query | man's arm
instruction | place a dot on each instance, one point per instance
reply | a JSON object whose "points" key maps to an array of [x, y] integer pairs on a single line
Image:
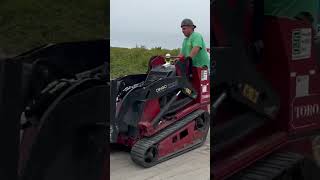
{"points": [[196, 45], [194, 51]]}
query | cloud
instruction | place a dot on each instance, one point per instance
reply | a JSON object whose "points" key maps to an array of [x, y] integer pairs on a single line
{"points": [[158, 16]]}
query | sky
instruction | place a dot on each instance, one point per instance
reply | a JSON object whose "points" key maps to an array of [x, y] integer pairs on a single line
{"points": [[159, 20]]}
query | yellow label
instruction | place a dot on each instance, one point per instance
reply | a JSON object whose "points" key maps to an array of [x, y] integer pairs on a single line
{"points": [[250, 93], [188, 91]]}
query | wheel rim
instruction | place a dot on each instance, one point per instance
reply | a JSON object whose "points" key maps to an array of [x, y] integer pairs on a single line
{"points": [[151, 154], [201, 124]]}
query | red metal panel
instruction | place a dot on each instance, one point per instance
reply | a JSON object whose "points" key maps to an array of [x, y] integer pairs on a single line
{"points": [[168, 146]]}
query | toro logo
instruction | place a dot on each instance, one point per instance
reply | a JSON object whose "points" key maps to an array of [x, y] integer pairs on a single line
{"points": [[161, 88], [307, 110]]}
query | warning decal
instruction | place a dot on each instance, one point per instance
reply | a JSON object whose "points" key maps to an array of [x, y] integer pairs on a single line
{"points": [[301, 43], [204, 75]]}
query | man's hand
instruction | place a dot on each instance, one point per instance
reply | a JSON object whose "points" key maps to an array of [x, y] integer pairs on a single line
{"points": [[194, 51], [177, 59]]}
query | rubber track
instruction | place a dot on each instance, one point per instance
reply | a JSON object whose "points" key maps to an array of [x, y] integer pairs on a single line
{"points": [[140, 148], [270, 167]]}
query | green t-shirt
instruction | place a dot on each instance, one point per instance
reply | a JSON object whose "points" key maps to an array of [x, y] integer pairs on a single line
{"points": [[202, 58], [291, 8]]}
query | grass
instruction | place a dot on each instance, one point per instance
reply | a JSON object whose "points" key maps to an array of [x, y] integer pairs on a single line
{"points": [[125, 61], [30, 23]]}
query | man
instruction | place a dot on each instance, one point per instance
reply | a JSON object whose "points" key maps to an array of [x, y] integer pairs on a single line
{"points": [[193, 46]]}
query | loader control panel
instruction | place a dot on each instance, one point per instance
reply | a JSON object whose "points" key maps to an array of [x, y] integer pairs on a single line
{"points": [[163, 71]]}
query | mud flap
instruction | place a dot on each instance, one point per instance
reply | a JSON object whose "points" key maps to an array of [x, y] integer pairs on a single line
{"points": [[71, 143]]}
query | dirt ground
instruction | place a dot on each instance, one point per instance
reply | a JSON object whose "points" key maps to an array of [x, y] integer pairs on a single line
{"points": [[189, 166]]}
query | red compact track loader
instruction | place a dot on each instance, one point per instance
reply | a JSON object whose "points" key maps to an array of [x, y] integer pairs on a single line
{"points": [[162, 113], [265, 94]]}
